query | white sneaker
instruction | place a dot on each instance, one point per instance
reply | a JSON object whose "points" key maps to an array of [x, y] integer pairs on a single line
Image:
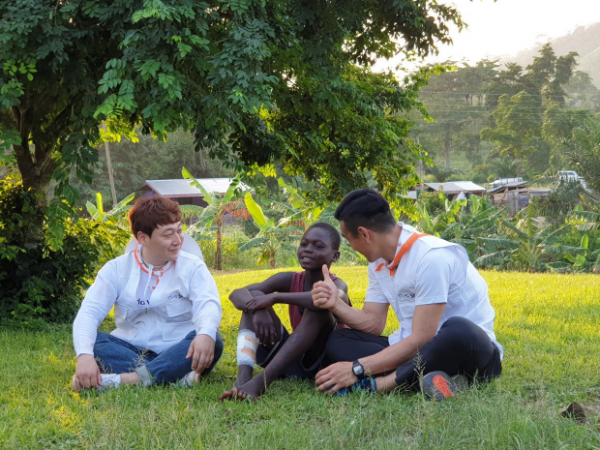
{"points": [[190, 379], [109, 380]]}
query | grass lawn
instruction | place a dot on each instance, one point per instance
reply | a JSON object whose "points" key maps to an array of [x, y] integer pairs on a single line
{"points": [[549, 326]]}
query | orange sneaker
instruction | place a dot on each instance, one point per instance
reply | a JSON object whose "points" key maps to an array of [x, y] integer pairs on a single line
{"points": [[438, 386]]}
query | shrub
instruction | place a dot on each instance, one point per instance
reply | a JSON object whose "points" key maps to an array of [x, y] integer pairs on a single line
{"points": [[433, 201], [38, 284]]}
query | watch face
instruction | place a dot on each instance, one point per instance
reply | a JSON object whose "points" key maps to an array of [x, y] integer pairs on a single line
{"points": [[358, 370]]}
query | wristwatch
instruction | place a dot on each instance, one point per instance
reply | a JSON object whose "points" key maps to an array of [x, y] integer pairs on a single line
{"points": [[358, 370]]}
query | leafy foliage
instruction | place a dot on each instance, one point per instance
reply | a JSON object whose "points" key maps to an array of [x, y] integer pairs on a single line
{"points": [[272, 237], [258, 82], [583, 152], [39, 283], [212, 217]]}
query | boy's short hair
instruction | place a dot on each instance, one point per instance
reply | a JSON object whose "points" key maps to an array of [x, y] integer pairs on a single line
{"points": [[365, 208], [334, 234], [149, 213]]}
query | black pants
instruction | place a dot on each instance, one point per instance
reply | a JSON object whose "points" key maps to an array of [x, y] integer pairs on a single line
{"points": [[460, 347]]}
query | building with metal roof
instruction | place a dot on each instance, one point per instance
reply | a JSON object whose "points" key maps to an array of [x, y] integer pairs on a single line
{"points": [[454, 189], [184, 192]]}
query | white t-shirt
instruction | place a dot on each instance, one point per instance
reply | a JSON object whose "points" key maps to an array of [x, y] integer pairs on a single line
{"points": [[432, 271]]}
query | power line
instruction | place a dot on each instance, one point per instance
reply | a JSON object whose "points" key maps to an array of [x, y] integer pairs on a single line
{"points": [[504, 93]]}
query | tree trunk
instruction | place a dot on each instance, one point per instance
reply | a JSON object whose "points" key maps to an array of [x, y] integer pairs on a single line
{"points": [[36, 174], [37, 166], [109, 169], [272, 260]]}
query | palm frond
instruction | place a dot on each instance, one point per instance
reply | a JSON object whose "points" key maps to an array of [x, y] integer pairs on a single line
{"points": [[255, 242]]}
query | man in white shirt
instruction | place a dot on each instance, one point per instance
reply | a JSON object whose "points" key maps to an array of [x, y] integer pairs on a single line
{"points": [[166, 305], [446, 320]]}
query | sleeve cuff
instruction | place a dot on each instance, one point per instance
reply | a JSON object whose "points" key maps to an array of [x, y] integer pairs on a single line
{"points": [[208, 329], [84, 351], [431, 300]]}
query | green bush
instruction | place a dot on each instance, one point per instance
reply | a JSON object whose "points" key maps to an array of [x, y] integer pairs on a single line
{"points": [[232, 257], [38, 284], [433, 201]]}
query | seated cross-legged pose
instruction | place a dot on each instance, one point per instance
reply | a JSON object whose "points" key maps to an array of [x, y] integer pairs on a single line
{"points": [[263, 340], [166, 305], [441, 302]]}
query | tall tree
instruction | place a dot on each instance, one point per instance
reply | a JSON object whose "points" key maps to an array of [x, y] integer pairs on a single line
{"points": [[582, 93], [583, 152], [456, 102], [527, 122], [258, 80]]}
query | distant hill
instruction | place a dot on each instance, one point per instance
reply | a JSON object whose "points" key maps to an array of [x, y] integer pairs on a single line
{"points": [[584, 40]]}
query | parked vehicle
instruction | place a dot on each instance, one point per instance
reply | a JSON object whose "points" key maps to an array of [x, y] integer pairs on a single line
{"points": [[570, 176]]}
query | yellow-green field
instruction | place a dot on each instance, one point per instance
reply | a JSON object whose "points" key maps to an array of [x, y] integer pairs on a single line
{"points": [[549, 326]]}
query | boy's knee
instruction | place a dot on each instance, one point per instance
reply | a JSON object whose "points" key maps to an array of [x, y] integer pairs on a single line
{"points": [[320, 316]]}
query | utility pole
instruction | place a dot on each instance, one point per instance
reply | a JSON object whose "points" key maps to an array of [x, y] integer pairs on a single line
{"points": [[110, 171], [447, 144], [420, 170]]}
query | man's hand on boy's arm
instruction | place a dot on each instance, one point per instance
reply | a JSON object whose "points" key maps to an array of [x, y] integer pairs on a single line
{"points": [[202, 350], [87, 374]]}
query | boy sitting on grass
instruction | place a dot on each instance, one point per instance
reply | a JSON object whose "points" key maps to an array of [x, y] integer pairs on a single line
{"points": [[263, 340]]}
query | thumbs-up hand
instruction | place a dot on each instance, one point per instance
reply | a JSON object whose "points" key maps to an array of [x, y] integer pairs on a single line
{"points": [[325, 293]]}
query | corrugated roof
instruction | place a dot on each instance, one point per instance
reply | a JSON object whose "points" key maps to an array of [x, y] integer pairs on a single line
{"points": [[509, 185], [183, 188], [453, 187]]}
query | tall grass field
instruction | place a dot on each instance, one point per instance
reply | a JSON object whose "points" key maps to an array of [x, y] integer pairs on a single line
{"points": [[549, 326]]}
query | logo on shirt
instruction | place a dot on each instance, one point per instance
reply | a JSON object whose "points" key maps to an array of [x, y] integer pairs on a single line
{"points": [[406, 297], [172, 298]]}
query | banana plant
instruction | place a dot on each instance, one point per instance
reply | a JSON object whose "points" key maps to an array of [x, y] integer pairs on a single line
{"points": [[579, 259], [211, 219], [114, 222], [272, 236], [116, 214], [309, 213], [537, 242]]}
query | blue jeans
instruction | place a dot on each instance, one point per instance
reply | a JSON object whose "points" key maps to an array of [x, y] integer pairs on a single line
{"points": [[115, 355]]}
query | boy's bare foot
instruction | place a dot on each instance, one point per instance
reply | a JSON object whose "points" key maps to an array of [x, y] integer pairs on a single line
{"points": [[244, 375], [231, 394], [253, 389]]}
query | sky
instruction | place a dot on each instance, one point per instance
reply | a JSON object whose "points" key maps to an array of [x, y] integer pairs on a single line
{"points": [[509, 26]]}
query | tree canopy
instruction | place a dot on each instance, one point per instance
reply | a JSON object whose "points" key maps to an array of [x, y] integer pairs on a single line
{"points": [[258, 81], [507, 121]]}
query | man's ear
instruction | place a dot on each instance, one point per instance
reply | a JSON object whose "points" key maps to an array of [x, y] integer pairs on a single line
{"points": [[364, 233], [142, 238]]}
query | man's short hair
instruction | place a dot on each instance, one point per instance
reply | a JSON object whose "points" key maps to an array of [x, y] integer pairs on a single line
{"points": [[365, 208], [149, 213], [334, 234]]}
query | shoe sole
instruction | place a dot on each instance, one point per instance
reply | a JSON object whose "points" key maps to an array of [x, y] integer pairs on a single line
{"points": [[442, 386]]}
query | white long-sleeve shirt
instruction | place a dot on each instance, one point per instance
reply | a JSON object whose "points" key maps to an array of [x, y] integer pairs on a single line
{"points": [[185, 299]]}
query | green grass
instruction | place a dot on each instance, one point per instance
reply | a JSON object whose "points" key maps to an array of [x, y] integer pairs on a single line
{"points": [[548, 324]]}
